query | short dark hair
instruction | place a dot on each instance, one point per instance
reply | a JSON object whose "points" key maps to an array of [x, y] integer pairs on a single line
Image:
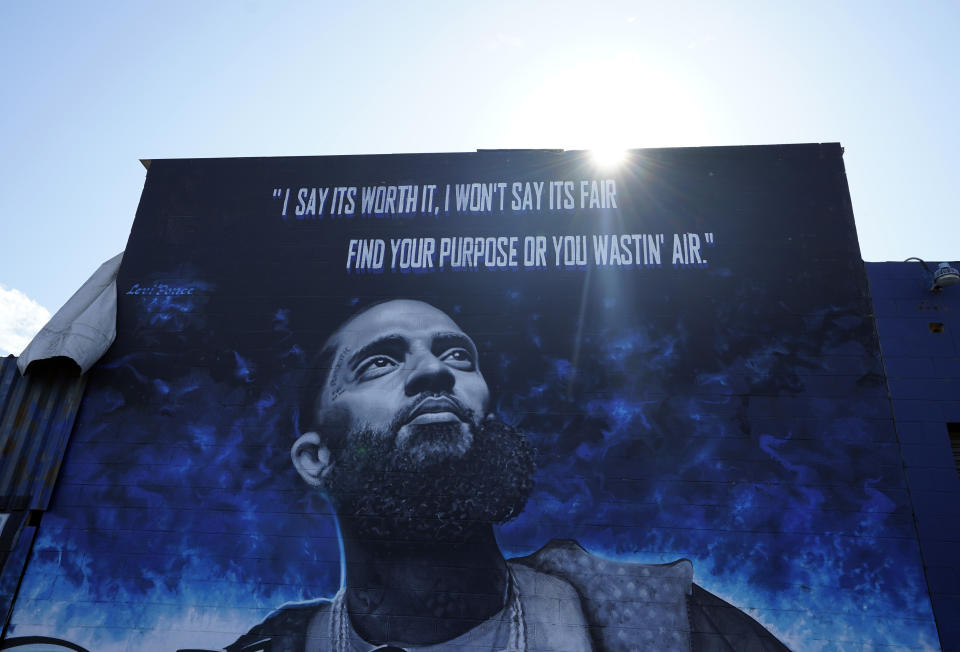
{"points": [[318, 372]]}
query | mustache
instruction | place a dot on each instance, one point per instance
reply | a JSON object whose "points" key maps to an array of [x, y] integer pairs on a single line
{"points": [[433, 402], [335, 427]]}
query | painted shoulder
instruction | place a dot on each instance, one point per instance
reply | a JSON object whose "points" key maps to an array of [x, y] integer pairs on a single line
{"points": [[652, 606], [715, 624], [284, 630]]}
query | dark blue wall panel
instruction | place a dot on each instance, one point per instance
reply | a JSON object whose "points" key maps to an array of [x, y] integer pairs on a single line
{"points": [[923, 369]]}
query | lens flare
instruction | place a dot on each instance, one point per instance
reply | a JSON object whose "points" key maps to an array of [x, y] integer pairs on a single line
{"points": [[608, 157]]}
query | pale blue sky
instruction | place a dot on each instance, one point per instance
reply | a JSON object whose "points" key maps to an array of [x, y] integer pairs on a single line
{"points": [[89, 88]]}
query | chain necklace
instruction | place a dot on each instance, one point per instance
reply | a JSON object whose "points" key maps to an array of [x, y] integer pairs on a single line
{"points": [[517, 638]]}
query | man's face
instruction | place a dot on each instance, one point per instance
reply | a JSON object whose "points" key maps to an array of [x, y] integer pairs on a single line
{"points": [[405, 369], [402, 444]]}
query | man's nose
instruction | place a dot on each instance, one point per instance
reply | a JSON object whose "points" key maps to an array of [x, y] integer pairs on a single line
{"points": [[428, 374]]}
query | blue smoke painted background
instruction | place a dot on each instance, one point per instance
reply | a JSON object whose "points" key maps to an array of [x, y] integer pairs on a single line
{"points": [[795, 513], [734, 414]]}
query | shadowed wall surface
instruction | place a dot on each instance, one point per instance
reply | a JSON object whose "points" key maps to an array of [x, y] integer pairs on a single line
{"points": [[920, 339]]}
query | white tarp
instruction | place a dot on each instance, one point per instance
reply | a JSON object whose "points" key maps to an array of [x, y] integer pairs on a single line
{"points": [[85, 327]]}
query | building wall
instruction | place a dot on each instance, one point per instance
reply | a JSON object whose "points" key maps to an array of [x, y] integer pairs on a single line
{"points": [[920, 338], [719, 409]]}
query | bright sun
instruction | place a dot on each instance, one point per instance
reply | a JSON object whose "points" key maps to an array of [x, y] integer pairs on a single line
{"points": [[608, 157]]}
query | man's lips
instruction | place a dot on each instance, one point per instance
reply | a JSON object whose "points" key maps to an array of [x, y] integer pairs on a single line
{"points": [[435, 409], [433, 417]]}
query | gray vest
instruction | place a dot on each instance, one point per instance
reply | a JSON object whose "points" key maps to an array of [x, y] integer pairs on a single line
{"points": [[628, 607]]}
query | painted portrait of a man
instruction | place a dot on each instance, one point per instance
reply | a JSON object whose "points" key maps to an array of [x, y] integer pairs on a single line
{"points": [[400, 438]]}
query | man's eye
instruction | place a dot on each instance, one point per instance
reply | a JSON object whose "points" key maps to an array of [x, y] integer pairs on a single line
{"points": [[459, 358], [375, 367]]}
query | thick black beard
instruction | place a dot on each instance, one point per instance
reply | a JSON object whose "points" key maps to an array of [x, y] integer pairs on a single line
{"points": [[380, 493]]}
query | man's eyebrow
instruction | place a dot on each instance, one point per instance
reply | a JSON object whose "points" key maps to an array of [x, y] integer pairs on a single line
{"points": [[446, 338], [389, 342]]}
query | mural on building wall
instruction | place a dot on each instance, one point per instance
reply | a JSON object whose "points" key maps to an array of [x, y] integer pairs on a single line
{"points": [[502, 400]]}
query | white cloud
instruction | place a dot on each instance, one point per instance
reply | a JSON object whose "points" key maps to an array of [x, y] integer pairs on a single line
{"points": [[20, 319]]}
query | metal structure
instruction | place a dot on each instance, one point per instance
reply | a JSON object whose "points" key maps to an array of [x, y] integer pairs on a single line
{"points": [[37, 412]]}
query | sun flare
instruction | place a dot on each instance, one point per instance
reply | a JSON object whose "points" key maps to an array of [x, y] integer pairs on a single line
{"points": [[608, 157]]}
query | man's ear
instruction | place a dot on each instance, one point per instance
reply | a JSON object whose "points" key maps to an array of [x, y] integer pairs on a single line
{"points": [[311, 458]]}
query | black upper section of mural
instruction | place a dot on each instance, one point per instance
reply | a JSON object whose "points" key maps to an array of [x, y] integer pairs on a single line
{"points": [[785, 246]]}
